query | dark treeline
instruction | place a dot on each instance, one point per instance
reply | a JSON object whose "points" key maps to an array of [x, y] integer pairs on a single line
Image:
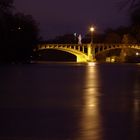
{"points": [[127, 34], [18, 34]]}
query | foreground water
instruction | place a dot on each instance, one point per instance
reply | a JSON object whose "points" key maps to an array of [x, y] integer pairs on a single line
{"points": [[71, 101]]}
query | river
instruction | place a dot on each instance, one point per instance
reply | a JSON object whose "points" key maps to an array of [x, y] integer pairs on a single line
{"points": [[70, 101]]}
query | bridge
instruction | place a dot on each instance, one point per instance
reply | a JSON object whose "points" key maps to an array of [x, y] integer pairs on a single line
{"points": [[86, 52]]}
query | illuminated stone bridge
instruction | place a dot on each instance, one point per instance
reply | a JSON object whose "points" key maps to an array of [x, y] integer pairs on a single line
{"points": [[86, 52]]}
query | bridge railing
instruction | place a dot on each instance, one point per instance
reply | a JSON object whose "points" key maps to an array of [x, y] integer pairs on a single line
{"points": [[104, 47], [78, 47]]}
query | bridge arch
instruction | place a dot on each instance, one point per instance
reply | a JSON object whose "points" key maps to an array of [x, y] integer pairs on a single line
{"points": [[87, 52], [55, 55], [77, 50], [101, 48]]}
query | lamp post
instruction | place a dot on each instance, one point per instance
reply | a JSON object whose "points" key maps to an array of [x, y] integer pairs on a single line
{"points": [[91, 49], [92, 29]]}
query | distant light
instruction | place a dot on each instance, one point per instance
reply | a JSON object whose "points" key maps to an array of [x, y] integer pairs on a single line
{"points": [[112, 59], [137, 53], [19, 28], [75, 34]]}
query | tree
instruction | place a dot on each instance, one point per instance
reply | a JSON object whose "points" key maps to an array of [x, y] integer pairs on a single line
{"points": [[23, 36], [5, 16], [135, 19], [128, 39], [18, 33], [130, 4], [112, 37], [6, 5], [134, 4]]}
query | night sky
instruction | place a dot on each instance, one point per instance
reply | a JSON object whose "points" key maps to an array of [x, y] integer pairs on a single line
{"points": [[58, 17]]}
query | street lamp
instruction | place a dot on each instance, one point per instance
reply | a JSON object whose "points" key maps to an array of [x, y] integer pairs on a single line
{"points": [[92, 29]]}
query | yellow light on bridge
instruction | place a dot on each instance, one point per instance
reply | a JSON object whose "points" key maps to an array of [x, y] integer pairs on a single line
{"points": [[91, 63]]}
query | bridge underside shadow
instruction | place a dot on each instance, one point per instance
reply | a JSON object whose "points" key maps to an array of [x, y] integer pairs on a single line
{"points": [[55, 55], [80, 56], [101, 56], [120, 55]]}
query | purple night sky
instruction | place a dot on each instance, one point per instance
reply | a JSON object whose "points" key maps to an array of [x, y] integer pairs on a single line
{"points": [[57, 17]]}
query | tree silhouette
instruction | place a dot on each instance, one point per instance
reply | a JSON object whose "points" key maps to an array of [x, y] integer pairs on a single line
{"points": [[130, 4], [23, 36], [18, 34], [6, 5]]}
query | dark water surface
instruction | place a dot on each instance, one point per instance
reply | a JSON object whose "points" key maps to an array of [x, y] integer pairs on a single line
{"points": [[70, 102]]}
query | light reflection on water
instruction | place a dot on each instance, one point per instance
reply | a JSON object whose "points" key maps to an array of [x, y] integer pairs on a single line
{"points": [[136, 109], [90, 117]]}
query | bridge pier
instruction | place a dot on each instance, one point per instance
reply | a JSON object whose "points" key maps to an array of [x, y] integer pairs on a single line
{"points": [[80, 59], [91, 52]]}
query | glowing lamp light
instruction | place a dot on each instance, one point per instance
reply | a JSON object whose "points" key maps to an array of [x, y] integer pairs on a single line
{"points": [[19, 28], [137, 53], [92, 29]]}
